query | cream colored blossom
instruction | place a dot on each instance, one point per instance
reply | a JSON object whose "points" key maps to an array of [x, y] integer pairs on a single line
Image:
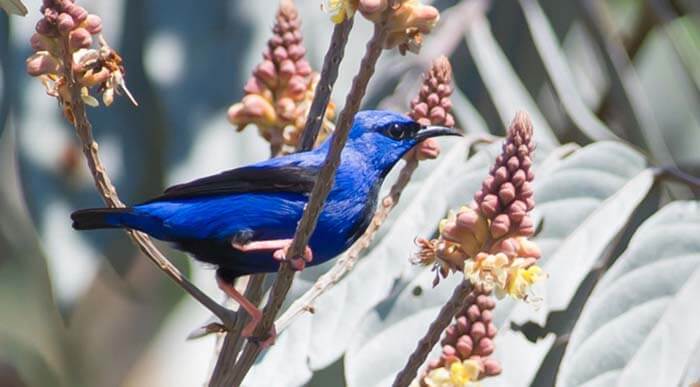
{"points": [[339, 10]]}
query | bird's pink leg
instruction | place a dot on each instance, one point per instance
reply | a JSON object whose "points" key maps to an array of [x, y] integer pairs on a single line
{"points": [[252, 310], [279, 247]]}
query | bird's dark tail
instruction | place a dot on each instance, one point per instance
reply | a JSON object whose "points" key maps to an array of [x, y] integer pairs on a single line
{"points": [[93, 218]]}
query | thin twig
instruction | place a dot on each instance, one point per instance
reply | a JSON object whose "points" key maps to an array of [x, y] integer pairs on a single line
{"points": [[323, 185], [346, 263], [322, 94], [109, 194], [426, 344]]}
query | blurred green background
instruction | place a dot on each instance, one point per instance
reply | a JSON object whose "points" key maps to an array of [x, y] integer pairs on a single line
{"points": [[84, 309]]}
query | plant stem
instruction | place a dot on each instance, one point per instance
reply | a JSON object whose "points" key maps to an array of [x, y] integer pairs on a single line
{"points": [[322, 94], [346, 263], [109, 194], [426, 344], [306, 226]]}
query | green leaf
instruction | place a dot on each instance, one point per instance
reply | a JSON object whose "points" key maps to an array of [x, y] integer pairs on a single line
{"points": [[31, 330], [13, 7], [639, 327], [507, 91], [560, 74]]}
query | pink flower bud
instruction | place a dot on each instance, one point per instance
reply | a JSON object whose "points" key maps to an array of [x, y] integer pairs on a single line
{"points": [[489, 206], [420, 109], [287, 68], [372, 6], [465, 346], [40, 42], [433, 99], [484, 302], [485, 347], [40, 64], [43, 27], [506, 193], [267, 73], [437, 114], [303, 68], [491, 330], [93, 24], [462, 325], [65, 23], [80, 38], [449, 350], [486, 316], [500, 226], [478, 331], [446, 104], [427, 149], [491, 367], [473, 312], [279, 54], [519, 177], [501, 175], [517, 210]]}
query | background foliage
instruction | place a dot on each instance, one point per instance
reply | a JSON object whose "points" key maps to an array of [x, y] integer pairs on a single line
{"points": [[614, 91]]}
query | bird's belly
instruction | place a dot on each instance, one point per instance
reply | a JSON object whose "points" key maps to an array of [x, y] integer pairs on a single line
{"points": [[206, 227]]}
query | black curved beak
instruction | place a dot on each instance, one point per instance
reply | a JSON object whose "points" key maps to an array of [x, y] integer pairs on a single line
{"points": [[435, 131]]}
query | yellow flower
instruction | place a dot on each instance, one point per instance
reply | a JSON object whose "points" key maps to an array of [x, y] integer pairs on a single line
{"points": [[464, 373], [460, 374], [487, 270], [340, 9], [520, 281], [439, 377]]}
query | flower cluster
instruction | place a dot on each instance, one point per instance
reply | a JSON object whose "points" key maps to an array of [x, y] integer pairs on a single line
{"points": [[466, 346], [406, 25], [432, 106], [278, 96], [488, 240], [64, 39]]}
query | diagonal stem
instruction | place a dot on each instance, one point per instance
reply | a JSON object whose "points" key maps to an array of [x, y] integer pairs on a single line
{"points": [[426, 344], [329, 74], [323, 185], [109, 193]]}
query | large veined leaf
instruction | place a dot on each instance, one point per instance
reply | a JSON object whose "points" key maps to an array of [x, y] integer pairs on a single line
{"points": [[503, 84], [379, 345], [640, 325], [561, 74], [608, 184]]}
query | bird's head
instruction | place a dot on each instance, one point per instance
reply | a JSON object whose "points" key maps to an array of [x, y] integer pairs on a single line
{"points": [[383, 137]]}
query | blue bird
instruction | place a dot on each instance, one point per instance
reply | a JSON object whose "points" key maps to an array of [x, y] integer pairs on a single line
{"points": [[242, 220]]}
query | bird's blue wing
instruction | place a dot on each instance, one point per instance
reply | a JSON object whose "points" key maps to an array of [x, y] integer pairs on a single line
{"points": [[294, 174]]}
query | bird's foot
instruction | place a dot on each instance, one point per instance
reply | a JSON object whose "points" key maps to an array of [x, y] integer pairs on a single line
{"points": [[297, 263], [267, 342], [250, 308], [279, 247]]}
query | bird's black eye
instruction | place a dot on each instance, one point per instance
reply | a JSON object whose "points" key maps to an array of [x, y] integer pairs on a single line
{"points": [[396, 132]]}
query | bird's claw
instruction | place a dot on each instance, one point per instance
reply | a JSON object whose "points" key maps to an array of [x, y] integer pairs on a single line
{"points": [[268, 341], [297, 263]]}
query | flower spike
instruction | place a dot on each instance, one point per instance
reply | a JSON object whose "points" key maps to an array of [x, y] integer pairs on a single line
{"points": [[278, 95]]}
